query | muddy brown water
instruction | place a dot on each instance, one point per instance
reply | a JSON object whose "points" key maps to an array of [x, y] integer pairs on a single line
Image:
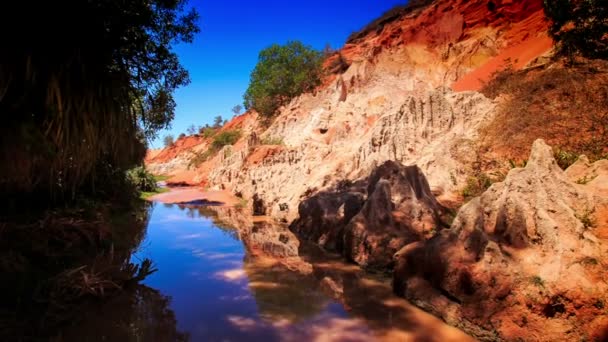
{"points": [[207, 288]]}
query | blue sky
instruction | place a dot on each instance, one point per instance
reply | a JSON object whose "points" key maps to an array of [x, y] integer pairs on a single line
{"points": [[232, 35]]}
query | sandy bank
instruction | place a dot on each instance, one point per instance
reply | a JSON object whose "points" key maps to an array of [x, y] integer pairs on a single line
{"points": [[189, 194]]}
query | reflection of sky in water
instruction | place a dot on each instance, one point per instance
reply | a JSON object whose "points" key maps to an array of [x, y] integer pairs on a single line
{"points": [[201, 268]]}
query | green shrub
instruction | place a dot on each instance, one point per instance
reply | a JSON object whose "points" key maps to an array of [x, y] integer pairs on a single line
{"points": [[168, 141], [565, 158], [143, 180], [282, 73], [538, 281], [586, 218], [219, 141], [269, 140], [207, 132], [476, 185], [201, 157], [226, 138]]}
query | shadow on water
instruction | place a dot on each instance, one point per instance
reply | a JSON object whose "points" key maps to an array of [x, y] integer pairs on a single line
{"points": [[55, 269], [138, 314]]}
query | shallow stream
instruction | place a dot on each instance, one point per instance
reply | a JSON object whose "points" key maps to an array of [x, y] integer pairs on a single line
{"points": [[208, 287]]}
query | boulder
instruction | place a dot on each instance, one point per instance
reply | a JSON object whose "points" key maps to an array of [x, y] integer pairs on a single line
{"points": [[368, 228], [400, 209], [322, 217]]}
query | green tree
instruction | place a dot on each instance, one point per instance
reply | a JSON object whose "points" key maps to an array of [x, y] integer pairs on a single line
{"points": [[579, 27], [168, 140], [91, 86], [236, 110], [282, 72], [191, 130], [217, 122]]}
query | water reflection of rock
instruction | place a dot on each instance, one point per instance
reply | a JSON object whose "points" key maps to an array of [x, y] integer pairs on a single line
{"points": [[281, 294], [140, 314], [294, 282]]}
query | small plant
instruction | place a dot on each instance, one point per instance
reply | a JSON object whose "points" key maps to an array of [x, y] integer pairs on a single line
{"points": [[584, 180], [565, 158], [586, 219], [588, 261], [142, 179], [269, 140], [242, 203], [476, 185], [515, 164], [453, 178], [538, 281]]}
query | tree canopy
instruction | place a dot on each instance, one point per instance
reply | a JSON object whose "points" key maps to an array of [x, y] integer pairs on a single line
{"points": [[93, 83], [282, 72], [579, 27]]}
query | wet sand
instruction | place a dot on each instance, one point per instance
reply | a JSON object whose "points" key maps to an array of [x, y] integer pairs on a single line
{"points": [[189, 194]]}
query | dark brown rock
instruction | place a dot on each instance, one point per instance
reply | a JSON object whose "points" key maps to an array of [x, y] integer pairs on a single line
{"points": [[399, 209]]}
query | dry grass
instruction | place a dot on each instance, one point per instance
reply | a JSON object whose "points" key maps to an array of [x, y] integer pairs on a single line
{"points": [[566, 106], [387, 17]]}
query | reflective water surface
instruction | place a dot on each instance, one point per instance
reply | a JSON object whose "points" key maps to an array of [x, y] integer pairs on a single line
{"points": [[209, 287]]}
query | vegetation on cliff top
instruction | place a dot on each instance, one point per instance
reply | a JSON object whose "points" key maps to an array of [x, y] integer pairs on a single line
{"points": [[579, 27], [282, 73], [389, 16], [225, 138]]}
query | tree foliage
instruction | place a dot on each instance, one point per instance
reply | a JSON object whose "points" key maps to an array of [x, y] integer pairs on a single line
{"points": [[282, 72], [142, 179], [218, 122], [93, 83], [191, 130], [579, 27], [236, 110], [168, 140]]}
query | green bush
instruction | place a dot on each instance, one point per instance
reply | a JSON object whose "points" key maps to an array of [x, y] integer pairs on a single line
{"points": [[143, 180], [282, 73], [225, 138], [168, 141], [565, 158], [201, 157], [269, 140], [220, 140], [207, 132]]}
